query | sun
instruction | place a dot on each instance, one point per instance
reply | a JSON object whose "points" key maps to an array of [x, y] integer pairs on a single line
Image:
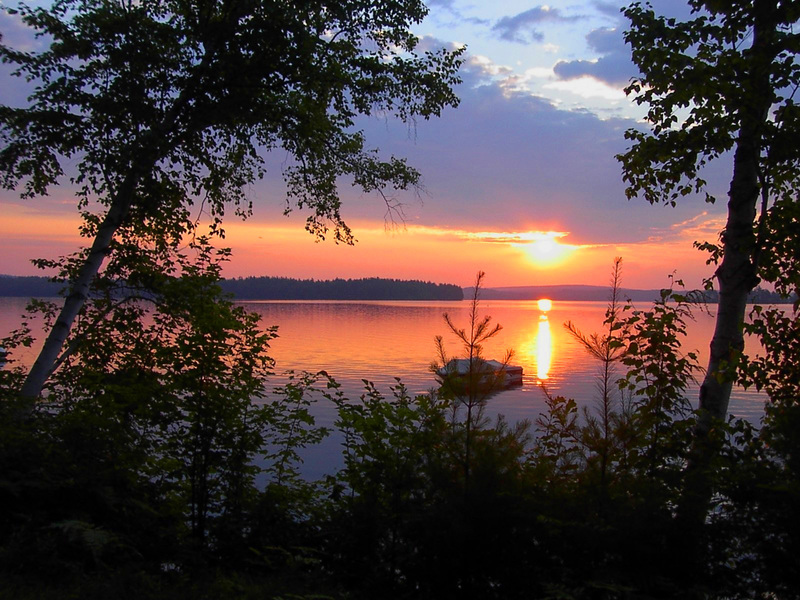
{"points": [[544, 250], [543, 247]]}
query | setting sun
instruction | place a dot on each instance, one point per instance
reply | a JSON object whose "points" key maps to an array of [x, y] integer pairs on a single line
{"points": [[545, 304], [543, 247]]}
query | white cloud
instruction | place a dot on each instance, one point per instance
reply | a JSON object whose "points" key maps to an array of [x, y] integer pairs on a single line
{"points": [[539, 73], [484, 66], [587, 87]]}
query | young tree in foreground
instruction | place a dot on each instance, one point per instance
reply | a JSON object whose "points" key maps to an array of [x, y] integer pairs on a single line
{"points": [[608, 349], [156, 435], [150, 107], [471, 381]]}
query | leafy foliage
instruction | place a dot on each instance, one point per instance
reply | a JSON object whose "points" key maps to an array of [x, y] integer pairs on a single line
{"points": [[722, 81], [150, 108], [176, 102], [702, 83], [155, 427], [766, 482]]}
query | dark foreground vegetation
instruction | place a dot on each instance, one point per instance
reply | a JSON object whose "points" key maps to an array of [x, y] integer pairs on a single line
{"points": [[158, 466]]}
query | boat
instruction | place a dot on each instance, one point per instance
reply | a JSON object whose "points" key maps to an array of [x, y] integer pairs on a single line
{"points": [[491, 374]]}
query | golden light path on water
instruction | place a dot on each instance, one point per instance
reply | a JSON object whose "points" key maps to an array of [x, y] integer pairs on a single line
{"points": [[543, 342], [381, 341], [544, 349]]}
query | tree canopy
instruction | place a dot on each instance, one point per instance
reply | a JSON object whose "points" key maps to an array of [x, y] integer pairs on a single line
{"points": [[150, 108], [723, 81], [177, 101]]}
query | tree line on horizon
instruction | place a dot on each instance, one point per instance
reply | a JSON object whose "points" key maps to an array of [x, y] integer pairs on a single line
{"points": [[275, 288], [369, 288], [378, 288], [591, 293]]}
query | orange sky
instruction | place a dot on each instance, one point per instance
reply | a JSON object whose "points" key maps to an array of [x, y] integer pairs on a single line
{"points": [[454, 256], [410, 252]]}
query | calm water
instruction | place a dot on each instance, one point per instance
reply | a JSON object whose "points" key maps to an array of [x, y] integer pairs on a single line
{"points": [[379, 341]]}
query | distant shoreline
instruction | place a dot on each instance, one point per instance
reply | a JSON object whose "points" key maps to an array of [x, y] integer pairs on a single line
{"points": [[586, 293], [597, 293], [277, 288], [376, 288]]}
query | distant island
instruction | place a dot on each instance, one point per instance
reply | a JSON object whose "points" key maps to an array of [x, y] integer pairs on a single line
{"points": [[277, 288], [29, 286], [371, 288], [376, 288]]}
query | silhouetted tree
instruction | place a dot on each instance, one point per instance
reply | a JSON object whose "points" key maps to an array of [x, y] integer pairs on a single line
{"points": [[469, 388], [721, 81], [155, 106]]}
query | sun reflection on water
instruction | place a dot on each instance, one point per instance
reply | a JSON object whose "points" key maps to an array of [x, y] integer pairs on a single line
{"points": [[537, 345], [544, 348]]}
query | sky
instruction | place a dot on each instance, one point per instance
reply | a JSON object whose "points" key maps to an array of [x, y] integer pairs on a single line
{"points": [[519, 181]]}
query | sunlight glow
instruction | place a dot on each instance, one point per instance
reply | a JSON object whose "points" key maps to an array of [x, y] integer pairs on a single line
{"points": [[543, 247], [545, 304]]}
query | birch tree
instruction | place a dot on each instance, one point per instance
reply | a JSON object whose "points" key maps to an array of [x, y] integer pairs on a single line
{"points": [[149, 108], [721, 82]]}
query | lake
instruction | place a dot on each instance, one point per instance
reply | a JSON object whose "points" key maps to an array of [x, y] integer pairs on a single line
{"points": [[379, 341]]}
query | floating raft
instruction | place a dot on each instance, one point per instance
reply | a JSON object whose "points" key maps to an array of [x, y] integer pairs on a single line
{"points": [[491, 373]]}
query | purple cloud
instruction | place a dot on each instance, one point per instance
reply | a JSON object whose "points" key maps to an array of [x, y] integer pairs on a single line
{"points": [[509, 161], [15, 34], [610, 9], [614, 65], [521, 28]]}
